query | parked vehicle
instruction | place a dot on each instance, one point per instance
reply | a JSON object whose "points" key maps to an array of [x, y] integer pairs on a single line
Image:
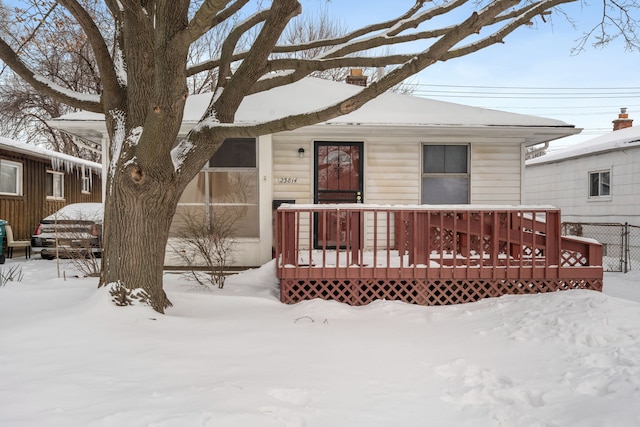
{"points": [[73, 231]]}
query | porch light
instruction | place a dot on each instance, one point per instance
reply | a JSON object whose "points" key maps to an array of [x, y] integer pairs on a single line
{"points": [[301, 152]]}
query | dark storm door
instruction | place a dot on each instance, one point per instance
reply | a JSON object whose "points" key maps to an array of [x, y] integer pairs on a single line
{"points": [[338, 179]]}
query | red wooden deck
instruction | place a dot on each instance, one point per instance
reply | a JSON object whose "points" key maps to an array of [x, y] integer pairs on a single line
{"points": [[427, 255]]}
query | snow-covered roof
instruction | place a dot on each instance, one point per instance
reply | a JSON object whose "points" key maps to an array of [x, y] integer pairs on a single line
{"points": [[59, 161], [388, 109], [615, 140]]}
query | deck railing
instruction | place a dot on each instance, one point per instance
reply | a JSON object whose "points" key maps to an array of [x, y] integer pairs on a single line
{"points": [[357, 253]]}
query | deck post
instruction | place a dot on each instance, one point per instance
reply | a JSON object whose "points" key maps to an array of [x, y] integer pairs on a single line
{"points": [[553, 240], [288, 236]]}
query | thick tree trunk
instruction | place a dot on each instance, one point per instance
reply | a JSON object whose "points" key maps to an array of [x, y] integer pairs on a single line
{"points": [[137, 222]]}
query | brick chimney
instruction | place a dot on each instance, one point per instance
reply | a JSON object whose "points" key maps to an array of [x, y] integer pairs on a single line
{"points": [[355, 77], [623, 120]]}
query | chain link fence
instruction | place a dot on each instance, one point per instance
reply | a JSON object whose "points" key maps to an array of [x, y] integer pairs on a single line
{"points": [[620, 243]]}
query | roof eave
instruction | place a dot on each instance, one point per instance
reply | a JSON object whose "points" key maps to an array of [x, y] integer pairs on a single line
{"points": [[44, 156], [95, 130]]}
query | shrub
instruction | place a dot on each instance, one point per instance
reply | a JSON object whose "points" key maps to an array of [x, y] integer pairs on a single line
{"points": [[10, 275], [206, 241]]}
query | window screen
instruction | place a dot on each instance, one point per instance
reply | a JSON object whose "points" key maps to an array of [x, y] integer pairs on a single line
{"points": [[235, 153], [226, 192], [445, 176], [445, 159]]}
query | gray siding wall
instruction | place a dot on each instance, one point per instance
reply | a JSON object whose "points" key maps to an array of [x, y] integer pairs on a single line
{"points": [[565, 184]]}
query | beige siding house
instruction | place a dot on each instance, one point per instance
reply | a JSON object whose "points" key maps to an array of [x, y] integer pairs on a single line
{"points": [[396, 150]]}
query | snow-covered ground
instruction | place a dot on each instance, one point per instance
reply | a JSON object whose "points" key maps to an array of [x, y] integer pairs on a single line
{"points": [[238, 357]]}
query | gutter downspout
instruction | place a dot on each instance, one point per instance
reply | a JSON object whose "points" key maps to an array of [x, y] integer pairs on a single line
{"points": [[537, 150], [523, 159]]}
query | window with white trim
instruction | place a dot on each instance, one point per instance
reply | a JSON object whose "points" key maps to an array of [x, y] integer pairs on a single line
{"points": [[600, 183], [10, 178], [86, 183], [445, 174], [55, 185]]}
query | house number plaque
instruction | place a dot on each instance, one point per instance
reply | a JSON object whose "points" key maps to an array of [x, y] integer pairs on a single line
{"points": [[287, 180]]}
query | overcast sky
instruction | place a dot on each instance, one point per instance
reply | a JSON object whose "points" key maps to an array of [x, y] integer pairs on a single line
{"points": [[533, 72]]}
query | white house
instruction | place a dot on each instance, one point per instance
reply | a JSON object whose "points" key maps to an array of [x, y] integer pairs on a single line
{"points": [[596, 181], [397, 149]]}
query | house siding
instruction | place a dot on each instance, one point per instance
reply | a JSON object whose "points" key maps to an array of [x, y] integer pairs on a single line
{"points": [[292, 175], [495, 174], [565, 184], [393, 173], [393, 170]]}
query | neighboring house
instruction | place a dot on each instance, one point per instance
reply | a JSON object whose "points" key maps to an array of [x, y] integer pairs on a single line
{"points": [[396, 150], [35, 182], [596, 181]]}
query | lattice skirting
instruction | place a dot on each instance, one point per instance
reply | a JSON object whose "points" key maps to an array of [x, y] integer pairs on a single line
{"points": [[421, 291]]}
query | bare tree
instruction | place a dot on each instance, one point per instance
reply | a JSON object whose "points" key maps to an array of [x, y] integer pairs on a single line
{"points": [[144, 76], [57, 49], [206, 47], [24, 113], [304, 29]]}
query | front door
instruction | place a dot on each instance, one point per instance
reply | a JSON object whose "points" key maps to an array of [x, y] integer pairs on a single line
{"points": [[338, 179]]}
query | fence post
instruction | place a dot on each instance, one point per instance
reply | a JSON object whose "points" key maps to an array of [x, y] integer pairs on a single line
{"points": [[625, 247]]}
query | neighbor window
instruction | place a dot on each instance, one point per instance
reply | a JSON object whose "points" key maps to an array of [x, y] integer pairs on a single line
{"points": [[445, 174], [600, 183], [86, 183], [55, 185], [226, 191], [10, 178]]}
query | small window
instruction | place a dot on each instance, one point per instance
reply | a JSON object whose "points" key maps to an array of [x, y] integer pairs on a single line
{"points": [[55, 185], [86, 184], [445, 174], [10, 178], [600, 184]]}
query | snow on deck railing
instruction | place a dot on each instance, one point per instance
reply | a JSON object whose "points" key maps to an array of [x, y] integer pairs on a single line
{"points": [[371, 207]]}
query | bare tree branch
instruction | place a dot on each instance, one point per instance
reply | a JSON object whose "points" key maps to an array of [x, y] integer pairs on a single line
{"points": [[529, 13], [229, 45], [324, 43], [210, 14], [100, 49], [418, 62], [253, 67], [77, 100]]}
